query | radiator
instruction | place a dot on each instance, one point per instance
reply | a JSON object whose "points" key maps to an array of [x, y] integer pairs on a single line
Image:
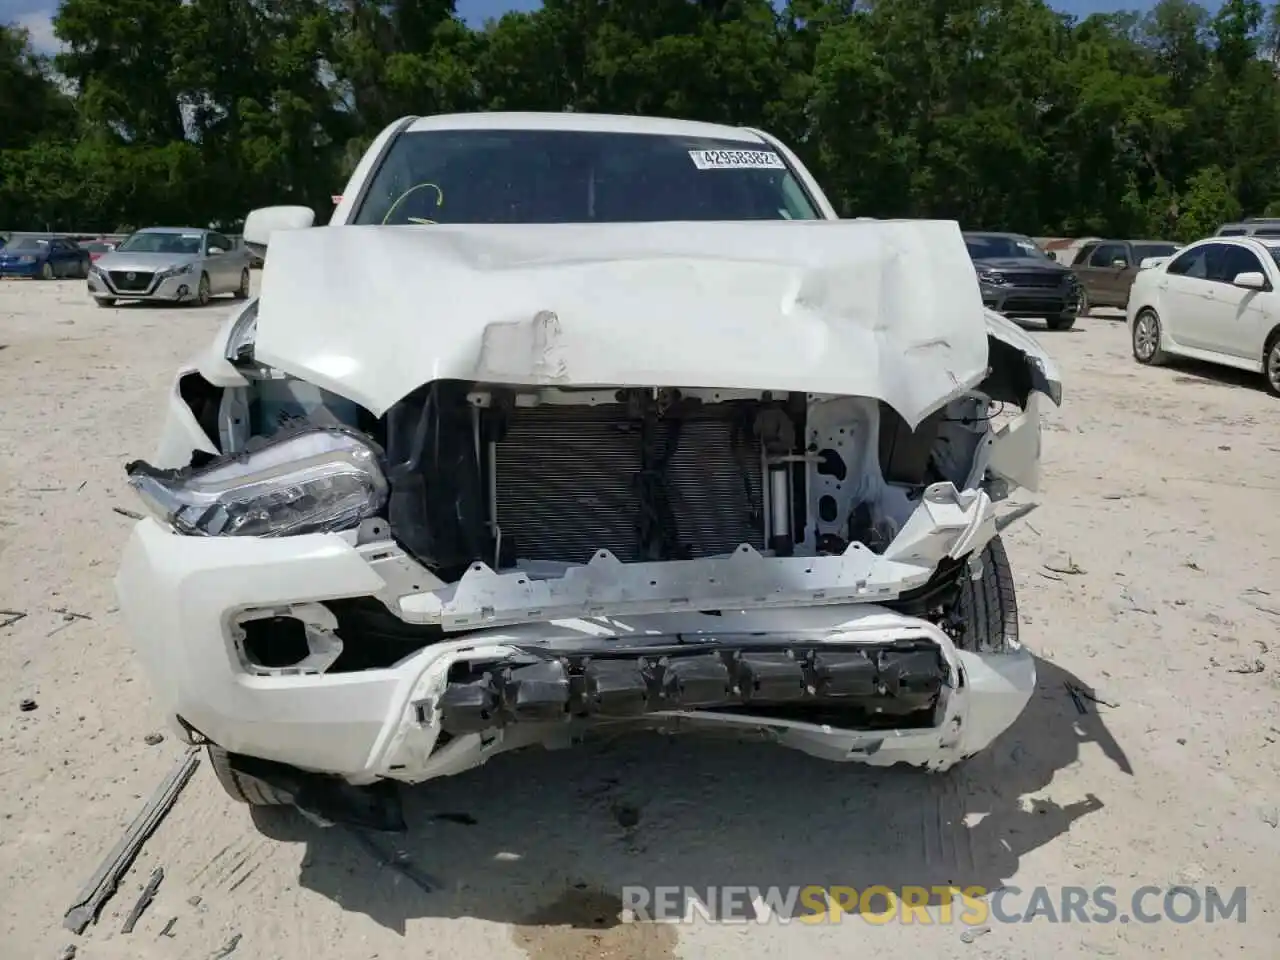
{"points": [[568, 483]]}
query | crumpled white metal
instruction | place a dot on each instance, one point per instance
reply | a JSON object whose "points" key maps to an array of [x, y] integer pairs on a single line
{"points": [[883, 309]]}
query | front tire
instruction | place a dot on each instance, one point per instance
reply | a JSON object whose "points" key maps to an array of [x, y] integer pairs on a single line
{"points": [[1146, 338], [242, 291], [203, 291], [105, 301], [989, 605], [46, 271], [1064, 322], [1271, 365], [241, 787]]}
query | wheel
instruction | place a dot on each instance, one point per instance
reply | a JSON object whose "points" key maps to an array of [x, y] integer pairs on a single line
{"points": [[241, 787], [1085, 307], [105, 301], [989, 605], [1063, 321], [1271, 364], [82, 271], [46, 271], [242, 291], [203, 293], [1146, 338]]}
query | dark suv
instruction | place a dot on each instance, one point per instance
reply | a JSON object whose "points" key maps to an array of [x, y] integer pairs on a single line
{"points": [[1020, 280]]}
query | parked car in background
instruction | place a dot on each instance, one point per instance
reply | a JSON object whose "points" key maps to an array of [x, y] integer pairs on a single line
{"points": [[1252, 227], [1217, 300], [43, 257], [1106, 269], [1020, 280], [97, 248], [1064, 249], [182, 264]]}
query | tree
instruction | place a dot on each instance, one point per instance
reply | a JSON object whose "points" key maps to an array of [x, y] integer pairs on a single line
{"points": [[997, 113]]}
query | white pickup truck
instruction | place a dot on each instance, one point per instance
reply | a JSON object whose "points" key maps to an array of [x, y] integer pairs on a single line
{"points": [[570, 421]]}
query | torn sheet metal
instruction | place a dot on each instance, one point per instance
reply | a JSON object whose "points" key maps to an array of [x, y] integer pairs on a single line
{"points": [[882, 309], [946, 523]]}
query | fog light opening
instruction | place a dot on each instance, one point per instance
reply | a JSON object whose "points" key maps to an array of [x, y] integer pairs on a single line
{"points": [[292, 640]]}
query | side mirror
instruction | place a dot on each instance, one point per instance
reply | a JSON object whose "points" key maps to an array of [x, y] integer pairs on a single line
{"points": [[214, 251], [264, 221], [1253, 280], [1051, 255], [1119, 264]]}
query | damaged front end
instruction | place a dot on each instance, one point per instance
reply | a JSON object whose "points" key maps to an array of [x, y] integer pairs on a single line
{"points": [[368, 592]]}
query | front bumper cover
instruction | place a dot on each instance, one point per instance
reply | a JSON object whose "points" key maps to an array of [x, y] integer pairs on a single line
{"points": [[177, 288], [1014, 301], [179, 596]]}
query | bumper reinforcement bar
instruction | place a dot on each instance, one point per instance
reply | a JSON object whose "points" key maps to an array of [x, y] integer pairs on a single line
{"points": [[886, 680]]}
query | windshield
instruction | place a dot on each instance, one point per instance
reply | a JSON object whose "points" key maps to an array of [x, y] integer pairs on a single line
{"points": [[161, 242], [1141, 251], [1274, 250], [571, 176], [26, 245], [1003, 248]]}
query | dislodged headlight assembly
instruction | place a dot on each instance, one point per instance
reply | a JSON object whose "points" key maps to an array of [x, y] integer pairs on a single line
{"points": [[307, 481]]}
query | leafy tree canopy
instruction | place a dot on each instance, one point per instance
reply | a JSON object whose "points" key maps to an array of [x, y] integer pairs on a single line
{"points": [[998, 113]]}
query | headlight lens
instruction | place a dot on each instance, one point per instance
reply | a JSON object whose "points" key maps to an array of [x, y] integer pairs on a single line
{"points": [[175, 271], [307, 481], [26, 259], [993, 277]]}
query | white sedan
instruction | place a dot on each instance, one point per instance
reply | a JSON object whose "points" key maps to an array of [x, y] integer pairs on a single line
{"points": [[1216, 300]]}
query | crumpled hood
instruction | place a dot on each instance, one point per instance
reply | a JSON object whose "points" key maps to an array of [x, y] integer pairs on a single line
{"points": [[884, 309]]}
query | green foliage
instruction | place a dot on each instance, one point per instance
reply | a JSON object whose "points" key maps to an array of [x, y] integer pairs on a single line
{"points": [[998, 113]]}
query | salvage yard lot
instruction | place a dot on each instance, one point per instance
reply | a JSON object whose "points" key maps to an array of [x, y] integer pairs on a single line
{"points": [[1148, 574]]}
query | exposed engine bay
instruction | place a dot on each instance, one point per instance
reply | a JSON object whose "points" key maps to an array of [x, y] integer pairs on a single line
{"points": [[543, 480]]}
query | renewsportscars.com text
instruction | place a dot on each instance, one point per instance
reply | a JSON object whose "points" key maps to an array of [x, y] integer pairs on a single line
{"points": [[970, 906]]}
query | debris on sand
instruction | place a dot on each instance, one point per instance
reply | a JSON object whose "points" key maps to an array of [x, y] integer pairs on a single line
{"points": [[1248, 667], [144, 901], [89, 902], [1063, 564], [228, 948]]}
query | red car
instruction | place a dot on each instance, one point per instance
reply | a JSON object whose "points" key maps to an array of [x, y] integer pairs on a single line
{"points": [[97, 248]]}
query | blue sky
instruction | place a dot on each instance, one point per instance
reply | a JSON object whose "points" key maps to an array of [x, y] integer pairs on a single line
{"points": [[34, 14]]}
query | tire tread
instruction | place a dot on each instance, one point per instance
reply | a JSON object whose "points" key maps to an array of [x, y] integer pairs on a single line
{"points": [[241, 787], [989, 605]]}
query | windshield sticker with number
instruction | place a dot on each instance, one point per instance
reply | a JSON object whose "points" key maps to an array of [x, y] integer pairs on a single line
{"points": [[736, 160]]}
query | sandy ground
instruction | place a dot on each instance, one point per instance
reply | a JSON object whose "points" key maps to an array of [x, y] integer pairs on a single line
{"points": [[1161, 487]]}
